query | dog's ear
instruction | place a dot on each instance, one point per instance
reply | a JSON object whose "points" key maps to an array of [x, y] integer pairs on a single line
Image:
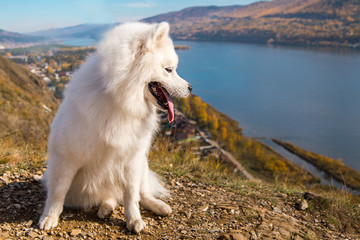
{"points": [[161, 32], [158, 34], [151, 40]]}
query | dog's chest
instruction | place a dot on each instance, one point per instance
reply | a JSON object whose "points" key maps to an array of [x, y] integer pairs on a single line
{"points": [[128, 134]]}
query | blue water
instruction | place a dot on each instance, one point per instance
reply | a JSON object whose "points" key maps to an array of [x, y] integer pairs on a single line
{"points": [[310, 97]]}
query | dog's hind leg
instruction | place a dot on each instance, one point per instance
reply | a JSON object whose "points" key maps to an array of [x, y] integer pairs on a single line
{"points": [[58, 180], [151, 187], [106, 207]]}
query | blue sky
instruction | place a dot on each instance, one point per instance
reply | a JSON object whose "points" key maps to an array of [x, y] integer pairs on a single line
{"points": [[33, 15]]}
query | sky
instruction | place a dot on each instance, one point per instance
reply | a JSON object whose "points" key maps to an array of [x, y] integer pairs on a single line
{"points": [[33, 15]]}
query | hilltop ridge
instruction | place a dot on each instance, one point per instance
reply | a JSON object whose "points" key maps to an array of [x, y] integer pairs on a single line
{"points": [[93, 31], [297, 22], [10, 39]]}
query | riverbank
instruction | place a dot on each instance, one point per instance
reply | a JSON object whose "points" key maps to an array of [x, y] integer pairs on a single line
{"points": [[181, 47], [335, 168]]}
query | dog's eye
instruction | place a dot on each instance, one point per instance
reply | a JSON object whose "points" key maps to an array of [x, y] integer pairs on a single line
{"points": [[168, 69]]}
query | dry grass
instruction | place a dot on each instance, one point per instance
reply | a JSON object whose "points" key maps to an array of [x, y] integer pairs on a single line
{"points": [[339, 207], [167, 155]]}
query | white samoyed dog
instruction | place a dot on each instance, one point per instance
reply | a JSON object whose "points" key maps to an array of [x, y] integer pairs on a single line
{"points": [[101, 135]]}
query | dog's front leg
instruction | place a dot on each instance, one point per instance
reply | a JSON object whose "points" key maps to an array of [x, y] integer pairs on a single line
{"points": [[58, 183], [134, 174]]}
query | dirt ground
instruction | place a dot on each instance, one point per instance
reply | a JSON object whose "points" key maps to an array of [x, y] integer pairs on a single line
{"points": [[200, 211]]}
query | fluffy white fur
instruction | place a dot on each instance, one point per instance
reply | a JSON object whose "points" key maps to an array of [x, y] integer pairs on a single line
{"points": [[102, 133]]}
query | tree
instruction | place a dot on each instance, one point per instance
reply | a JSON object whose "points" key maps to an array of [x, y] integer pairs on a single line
{"points": [[50, 70]]}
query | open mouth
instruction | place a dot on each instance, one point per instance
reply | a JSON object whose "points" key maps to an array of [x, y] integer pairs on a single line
{"points": [[163, 98]]}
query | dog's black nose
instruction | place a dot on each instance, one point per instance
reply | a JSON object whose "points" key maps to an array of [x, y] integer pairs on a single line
{"points": [[190, 88]]}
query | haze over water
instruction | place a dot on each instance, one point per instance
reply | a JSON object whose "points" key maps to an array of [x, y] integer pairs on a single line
{"points": [[310, 97]]}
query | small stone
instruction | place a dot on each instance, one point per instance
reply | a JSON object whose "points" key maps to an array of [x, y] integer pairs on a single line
{"points": [[4, 180], [5, 228], [91, 235], [281, 195], [204, 208], [332, 227], [28, 224], [276, 210], [214, 230], [253, 235], [75, 232], [67, 215], [17, 206], [37, 178], [304, 205], [224, 237], [237, 236], [284, 232], [297, 237], [33, 234]]}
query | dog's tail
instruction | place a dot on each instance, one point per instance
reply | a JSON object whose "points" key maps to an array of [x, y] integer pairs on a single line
{"points": [[156, 188]]}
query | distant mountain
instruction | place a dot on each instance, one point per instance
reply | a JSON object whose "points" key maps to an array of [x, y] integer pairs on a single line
{"points": [[303, 22], [296, 22], [12, 37], [93, 31], [27, 107]]}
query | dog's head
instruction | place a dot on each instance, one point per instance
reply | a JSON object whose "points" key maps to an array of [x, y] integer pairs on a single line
{"points": [[164, 81], [144, 65]]}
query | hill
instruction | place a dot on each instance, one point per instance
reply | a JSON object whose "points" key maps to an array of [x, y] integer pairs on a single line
{"points": [[301, 22], [93, 31], [208, 200], [7, 37], [26, 107]]}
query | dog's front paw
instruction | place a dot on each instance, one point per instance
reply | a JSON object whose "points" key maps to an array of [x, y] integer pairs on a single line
{"points": [[136, 225], [163, 209], [48, 222]]}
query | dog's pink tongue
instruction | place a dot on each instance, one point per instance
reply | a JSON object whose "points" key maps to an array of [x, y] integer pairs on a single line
{"points": [[170, 103], [170, 110]]}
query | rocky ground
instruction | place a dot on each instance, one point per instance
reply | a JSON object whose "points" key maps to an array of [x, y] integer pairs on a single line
{"points": [[200, 211]]}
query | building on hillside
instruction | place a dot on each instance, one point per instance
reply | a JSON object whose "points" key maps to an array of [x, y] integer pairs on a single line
{"points": [[62, 74], [47, 80], [183, 128]]}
